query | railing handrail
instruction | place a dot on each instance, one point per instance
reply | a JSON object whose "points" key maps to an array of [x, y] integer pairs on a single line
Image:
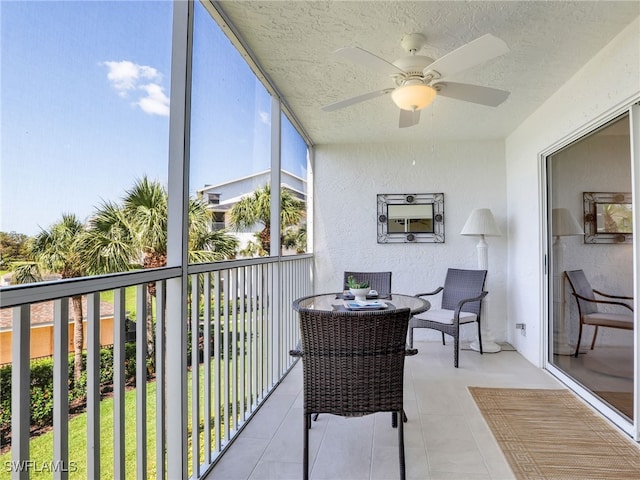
{"points": [[15, 295], [243, 262]]}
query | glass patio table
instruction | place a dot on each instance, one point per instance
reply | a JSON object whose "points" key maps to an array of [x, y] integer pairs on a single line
{"points": [[332, 302]]}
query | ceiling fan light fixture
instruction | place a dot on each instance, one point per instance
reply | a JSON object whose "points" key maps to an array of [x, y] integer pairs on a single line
{"points": [[413, 97]]}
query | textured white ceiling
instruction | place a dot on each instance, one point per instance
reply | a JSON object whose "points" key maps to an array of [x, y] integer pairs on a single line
{"points": [[294, 41]]}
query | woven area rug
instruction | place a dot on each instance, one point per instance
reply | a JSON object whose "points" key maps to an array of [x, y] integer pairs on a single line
{"points": [[551, 434]]}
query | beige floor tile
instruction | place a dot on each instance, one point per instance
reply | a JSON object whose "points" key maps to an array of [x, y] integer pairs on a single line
{"points": [[446, 437]]}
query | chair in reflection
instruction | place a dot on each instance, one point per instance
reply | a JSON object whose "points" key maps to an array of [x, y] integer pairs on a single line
{"points": [[588, 307], [378, 281], [353, 365], [461, 303]]}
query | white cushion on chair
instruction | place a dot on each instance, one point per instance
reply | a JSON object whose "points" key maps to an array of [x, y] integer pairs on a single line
{"points": [[446, 316], [615, 320]]}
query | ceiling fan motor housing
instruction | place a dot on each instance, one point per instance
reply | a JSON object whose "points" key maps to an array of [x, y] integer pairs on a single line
{"points": [[413, 42]]}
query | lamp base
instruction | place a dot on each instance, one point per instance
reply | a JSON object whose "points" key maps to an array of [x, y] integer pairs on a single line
{"points": [[487, 346]]}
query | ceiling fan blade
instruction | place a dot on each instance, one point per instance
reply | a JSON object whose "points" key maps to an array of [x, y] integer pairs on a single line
{"points": [[409, 118], [353, 100], [473, 53], [368, 59], [492, 97]]}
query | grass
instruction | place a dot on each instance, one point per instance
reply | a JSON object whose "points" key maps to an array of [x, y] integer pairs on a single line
{"points": [[41, 447], [130, 300]]}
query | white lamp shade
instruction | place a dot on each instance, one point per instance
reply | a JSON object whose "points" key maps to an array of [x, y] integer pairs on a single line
{"points": [[413, 97], [564, 224], [481, 222]]}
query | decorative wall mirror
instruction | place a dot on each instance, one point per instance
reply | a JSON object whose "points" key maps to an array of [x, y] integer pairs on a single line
{"points": [[607, 217], [411, 218]]}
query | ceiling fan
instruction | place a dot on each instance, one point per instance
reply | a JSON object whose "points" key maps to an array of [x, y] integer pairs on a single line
{"points": [[418, 79]]}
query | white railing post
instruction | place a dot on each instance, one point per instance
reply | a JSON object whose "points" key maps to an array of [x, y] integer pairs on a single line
{"points": [[93, 384], [141, 381], [119, 353], [61, 389], [20, 383]]}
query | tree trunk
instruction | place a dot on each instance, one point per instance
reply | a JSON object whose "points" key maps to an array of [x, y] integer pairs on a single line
{"points": [[152, 260], [78, 337], [265, 239], [151, 331]]}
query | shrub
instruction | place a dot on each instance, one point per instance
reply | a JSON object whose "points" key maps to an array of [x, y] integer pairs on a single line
{"points": [[41, 387]]}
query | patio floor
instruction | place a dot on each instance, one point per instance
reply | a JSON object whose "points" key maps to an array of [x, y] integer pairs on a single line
{"points": [[445, 438]]}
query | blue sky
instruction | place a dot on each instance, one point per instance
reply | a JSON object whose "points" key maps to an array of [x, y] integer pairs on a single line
{"points": [[85, 103]]}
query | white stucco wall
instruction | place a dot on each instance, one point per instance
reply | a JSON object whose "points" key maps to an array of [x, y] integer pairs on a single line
{"points": [[608, 82], [348, 179]]}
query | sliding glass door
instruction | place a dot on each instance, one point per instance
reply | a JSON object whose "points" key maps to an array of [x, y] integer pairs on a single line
{"points": [[590, 248]]}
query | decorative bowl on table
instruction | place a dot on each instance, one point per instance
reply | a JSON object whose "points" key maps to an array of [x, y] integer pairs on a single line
{"points": [[360, 293]]}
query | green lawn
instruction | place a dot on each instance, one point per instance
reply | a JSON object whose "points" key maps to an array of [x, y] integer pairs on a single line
{"points": [[41, 447], [130, 300]]}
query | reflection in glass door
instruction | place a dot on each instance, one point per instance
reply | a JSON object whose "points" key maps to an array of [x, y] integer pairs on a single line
{"points": [[589, 205]]}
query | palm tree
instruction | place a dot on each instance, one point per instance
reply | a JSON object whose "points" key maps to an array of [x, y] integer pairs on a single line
{"points": [[295, 238], [206, 245], [256, 209], [134, 235], [26, 272], [59, 250]]}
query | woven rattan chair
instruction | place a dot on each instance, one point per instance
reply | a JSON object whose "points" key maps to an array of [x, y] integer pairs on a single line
{"points": [[353, 364], [378, 281], [461, 303], [588, 307]]}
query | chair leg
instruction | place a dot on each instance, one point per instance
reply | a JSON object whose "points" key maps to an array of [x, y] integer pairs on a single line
{"points": [[443, 338], [595, 334], [305, 452], [456, 353], [401, 447], [315, 418], [394, 419], [579, 340], [480, 337]]}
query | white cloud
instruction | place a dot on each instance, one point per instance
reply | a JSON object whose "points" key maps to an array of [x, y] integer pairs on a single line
{"points": [[140, 81], [265, 117], [155, 102]]}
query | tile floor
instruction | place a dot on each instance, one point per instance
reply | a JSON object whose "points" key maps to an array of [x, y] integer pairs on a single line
{"points": [[446, 437]]}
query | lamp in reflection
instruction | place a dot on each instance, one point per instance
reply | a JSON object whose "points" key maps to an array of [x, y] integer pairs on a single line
{"points": [[563, 224]]}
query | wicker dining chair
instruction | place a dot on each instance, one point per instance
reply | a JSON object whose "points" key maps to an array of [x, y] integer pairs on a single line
{"points": [[378, 281], [588, 307], [461, 303], [353, 365]]}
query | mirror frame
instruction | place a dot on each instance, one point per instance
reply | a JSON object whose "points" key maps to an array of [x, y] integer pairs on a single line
{"points": [[434, 199], [591, 201]]}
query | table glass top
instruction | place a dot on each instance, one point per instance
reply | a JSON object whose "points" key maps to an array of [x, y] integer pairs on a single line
{"points": [[334, 301]]}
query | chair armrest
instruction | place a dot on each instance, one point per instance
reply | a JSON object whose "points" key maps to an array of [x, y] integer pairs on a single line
{"points": [[296, 353], [607, 302], [408, 352], [456, 313], [436, 291], [621, 297]]}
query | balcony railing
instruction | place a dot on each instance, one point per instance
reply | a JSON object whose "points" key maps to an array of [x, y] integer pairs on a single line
{"points": [[236, 331]]}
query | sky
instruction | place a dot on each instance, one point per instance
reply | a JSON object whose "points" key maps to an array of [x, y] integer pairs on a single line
{"points": [[84, 92]]}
